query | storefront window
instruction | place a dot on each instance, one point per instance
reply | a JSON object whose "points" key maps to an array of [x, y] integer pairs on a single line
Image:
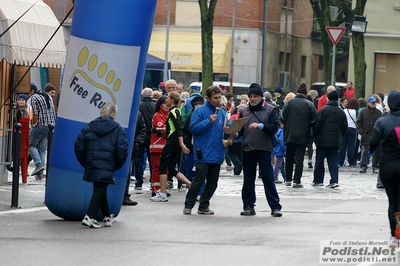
{"points": [[387, 76]]}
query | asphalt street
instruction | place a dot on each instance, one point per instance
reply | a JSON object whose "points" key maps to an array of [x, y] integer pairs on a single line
{"points": [[154, 233]]}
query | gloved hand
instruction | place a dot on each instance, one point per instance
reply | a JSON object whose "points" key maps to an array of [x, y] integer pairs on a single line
{"points": [[158, 132], [135, 150]]}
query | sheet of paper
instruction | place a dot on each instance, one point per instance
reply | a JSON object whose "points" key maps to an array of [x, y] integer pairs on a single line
{"points": [[237, 124]]}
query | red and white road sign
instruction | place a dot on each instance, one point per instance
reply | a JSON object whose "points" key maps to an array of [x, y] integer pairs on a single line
{"points": [[335, 33]]}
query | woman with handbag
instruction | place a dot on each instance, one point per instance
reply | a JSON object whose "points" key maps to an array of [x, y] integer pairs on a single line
{"points": [[349, 139]]}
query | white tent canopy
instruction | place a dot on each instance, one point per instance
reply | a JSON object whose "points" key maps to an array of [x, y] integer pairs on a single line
{"points": [[25, 39]]}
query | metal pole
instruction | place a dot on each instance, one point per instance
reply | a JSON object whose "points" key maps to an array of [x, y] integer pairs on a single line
{"points": [[264, 44], [333, 65], [15, 182], [165, 78], [49, 141], [232, 48]]}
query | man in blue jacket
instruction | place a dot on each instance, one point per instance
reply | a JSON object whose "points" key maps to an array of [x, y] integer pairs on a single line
{"points": [[207, 126]]}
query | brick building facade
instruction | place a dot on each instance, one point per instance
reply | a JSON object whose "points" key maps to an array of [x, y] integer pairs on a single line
{"points": [[289, 46]]}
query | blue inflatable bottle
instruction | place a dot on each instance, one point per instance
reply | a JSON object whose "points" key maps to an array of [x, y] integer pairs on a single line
{"points": [[105, 62]]}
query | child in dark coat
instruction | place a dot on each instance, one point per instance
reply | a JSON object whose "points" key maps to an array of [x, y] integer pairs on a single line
{"points": [[101, 148]]}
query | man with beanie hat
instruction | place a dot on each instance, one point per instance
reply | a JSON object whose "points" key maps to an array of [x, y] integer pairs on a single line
{"points": [[279, 97], [298, 116], [260, 127], [43, 115], [330, 127], [302, 88], [255, 89]]}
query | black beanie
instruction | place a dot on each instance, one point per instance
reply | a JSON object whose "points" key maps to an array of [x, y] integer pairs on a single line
{"points": [[302, 89], [49, 87], [255, 89], [197, 100], [333, 96]]}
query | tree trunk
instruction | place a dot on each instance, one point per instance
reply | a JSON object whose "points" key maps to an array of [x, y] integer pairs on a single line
{"points": [[360, 66], [207, 21], [207, 55], [322, 11]]}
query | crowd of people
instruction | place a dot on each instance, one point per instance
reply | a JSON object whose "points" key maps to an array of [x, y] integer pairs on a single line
{"points": [[186, 136]]}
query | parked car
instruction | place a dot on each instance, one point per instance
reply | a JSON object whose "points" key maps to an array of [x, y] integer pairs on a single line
{"points": [[320, 87], [238, 89]]}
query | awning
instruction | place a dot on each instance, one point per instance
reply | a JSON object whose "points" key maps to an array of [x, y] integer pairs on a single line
{"points": [[155, 63], [25, 39], [184, 50]]}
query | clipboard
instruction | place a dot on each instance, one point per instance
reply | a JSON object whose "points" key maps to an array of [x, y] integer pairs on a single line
{"points": [[237, 125]]}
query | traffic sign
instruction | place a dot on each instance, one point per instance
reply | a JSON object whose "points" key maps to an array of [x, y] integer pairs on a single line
{"points": [[335, 33]]}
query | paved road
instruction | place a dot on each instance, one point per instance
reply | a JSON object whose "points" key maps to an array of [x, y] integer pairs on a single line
{"points": [[158, 233]]}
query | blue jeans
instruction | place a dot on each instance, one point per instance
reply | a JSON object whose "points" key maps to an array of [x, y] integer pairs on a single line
{"points": [[137, 164], [38, 144], [332, 156], [250, 160], [348, 145], [189, 169], [279, 165], [365, 158]]}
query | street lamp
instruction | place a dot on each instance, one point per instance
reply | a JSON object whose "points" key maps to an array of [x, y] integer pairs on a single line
{"points": [[359, 24]]}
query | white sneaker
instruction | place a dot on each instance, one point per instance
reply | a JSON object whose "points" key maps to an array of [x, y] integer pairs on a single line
{"points": [[108, 220], [170, 185], [90, 222], [159, 197], [183, 188], [393, 242]]}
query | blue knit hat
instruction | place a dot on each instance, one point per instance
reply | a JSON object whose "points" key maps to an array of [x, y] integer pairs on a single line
{"points": [[279, 90], [23, 96]]}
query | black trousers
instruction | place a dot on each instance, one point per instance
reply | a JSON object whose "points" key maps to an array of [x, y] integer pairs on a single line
{"points": [[389, 173], [98, 201], [209, 171], [294, 153], [169, 158]]}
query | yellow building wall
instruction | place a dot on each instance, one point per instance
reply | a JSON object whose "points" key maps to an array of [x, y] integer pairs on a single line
{"points": [[382, 36]]}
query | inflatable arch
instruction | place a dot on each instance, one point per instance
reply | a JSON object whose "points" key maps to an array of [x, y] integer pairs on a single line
{"points": [[105, 62]]}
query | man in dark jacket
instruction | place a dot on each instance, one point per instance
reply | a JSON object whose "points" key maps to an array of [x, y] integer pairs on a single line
{"points": [[365, 126], [330, 127], [262, 123], [101, 148], [140, 135], [146, 109], [298, 116]]}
